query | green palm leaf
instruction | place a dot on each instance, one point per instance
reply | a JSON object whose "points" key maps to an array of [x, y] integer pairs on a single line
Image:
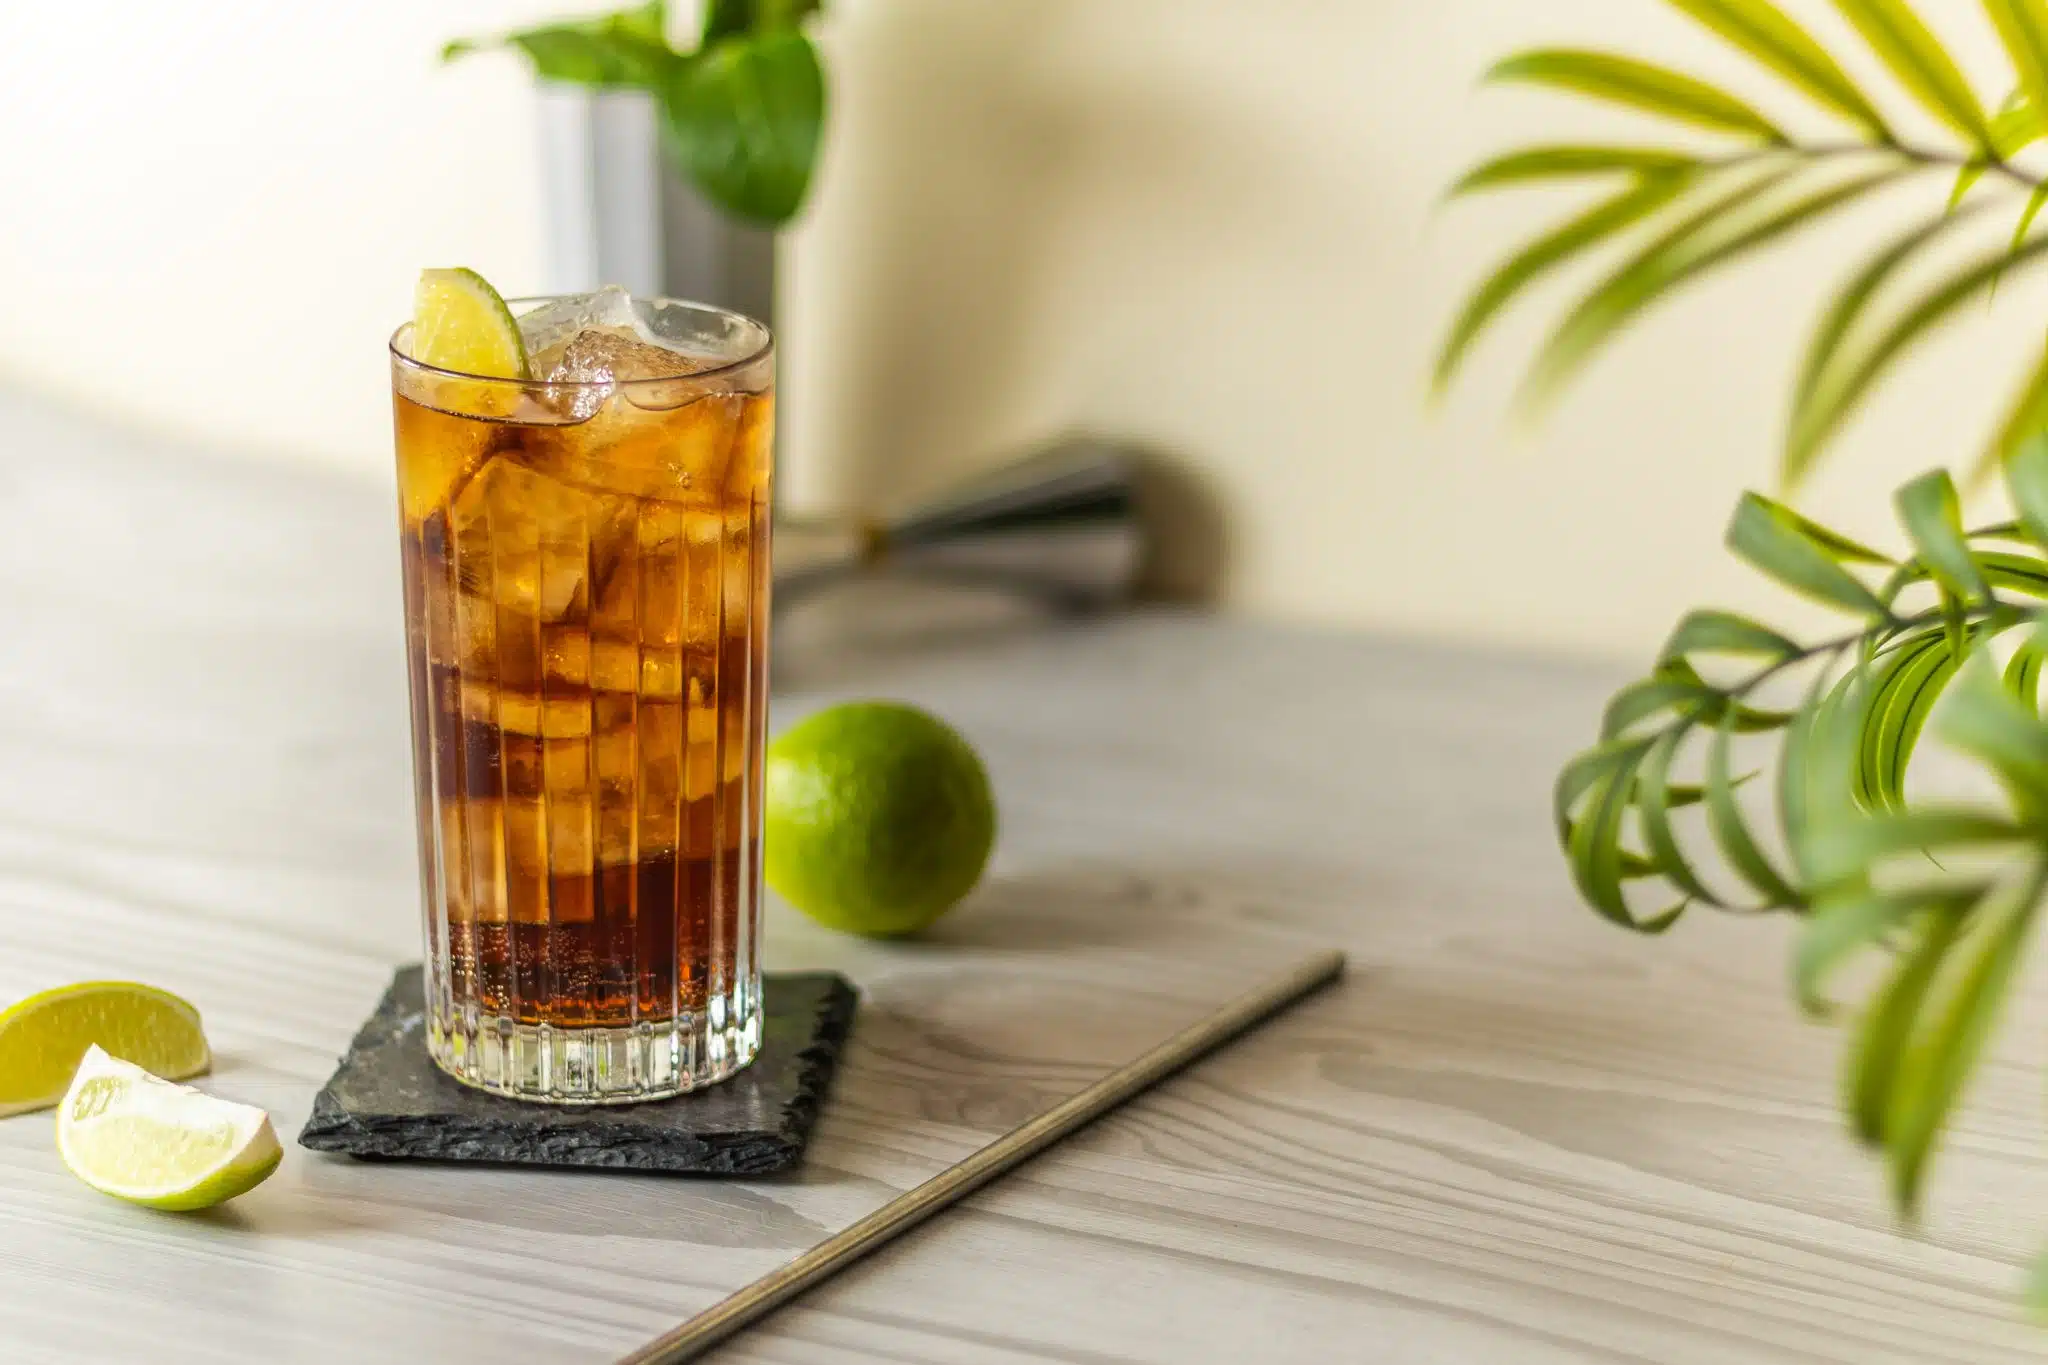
{"points": [[1595, 850], [1932, 513], [1837, 929], [1639, 701], [2019, 573], [1874, 1057], [1847, 308], [1653, 807], [1843, 850], [1917, 58], [1968, 1000], [1903, 692], [1725, 632], [1711, 237], [2015, 128], [1763, 31], [1586, 771], [1830, 935], [2023, 673], [1774, 539], [2037, 1288], [2028, 213], [1588, 229], [2026, 478], [1731, 831], [1535, 165], [2032, 211], [1966, 180], [1845, 386], [2023, 27], [1813, 726], [1637, 85], [1984, 720]]}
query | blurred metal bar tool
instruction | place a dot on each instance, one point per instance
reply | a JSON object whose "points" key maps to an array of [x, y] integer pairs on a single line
{"points": [[1062, 524]]}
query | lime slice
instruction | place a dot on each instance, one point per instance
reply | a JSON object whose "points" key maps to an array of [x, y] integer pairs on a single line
{"points": [[459, 323], [128, 1134], [43, 1038]]}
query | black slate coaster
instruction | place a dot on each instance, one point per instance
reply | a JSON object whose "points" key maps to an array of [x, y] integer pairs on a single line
{"points": [[388, 1101]]}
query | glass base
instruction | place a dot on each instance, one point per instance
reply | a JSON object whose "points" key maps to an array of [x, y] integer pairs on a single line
{"points": [[581, 1066]]}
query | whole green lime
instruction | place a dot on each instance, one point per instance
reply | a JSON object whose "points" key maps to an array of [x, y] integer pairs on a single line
{"points": [[879, 818]]}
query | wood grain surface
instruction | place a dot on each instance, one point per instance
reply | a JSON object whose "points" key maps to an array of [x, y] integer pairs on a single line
{"points": [[1512, 1135]]}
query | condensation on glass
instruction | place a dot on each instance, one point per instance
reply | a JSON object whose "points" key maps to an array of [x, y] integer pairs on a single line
{"points": [[586, 599]]}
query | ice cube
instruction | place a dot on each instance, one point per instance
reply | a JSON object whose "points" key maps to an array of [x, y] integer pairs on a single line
{"points": [[608, 355], [552, 324], [521, 540], [674, 456], [593, 361]]}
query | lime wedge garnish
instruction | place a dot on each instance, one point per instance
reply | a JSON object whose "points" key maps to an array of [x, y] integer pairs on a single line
{"points": [[43, 1038], [459, 323], [131, 1135]]}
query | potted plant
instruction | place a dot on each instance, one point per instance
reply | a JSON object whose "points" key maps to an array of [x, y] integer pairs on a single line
{"points": [[1944, 637], [739, 113]]}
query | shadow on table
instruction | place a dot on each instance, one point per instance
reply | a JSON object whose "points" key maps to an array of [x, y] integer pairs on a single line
{"points": [[1086, 905], [665, 1208]]}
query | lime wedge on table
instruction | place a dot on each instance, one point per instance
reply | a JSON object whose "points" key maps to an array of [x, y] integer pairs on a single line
{"points": [[43, 1038], [128, 1134], [459, 323]]}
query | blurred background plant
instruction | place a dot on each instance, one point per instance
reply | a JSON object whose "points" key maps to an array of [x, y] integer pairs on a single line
{"points": [[1951, 636], [742, 111], [1692, 211]]}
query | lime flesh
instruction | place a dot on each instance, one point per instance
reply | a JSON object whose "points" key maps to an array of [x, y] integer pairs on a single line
{"points": [[460, 323], [142, 1139], [43, 1038]]}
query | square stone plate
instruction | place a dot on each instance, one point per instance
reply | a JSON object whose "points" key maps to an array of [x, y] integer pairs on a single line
{"points": [[388, 1101]]}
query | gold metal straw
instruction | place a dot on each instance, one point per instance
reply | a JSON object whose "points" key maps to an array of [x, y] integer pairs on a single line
{"points": [[907, 1210]]}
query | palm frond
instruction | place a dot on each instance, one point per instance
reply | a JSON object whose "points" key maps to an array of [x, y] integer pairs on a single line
{"points": [[1642, 86], [1760, 29], [1727, 207], [2016, 127], [1853, 852], [2023, 27], [1729, 227], [1604, 220], [1854, 849], [1850, 303], [1535, 165], [1846, 380], [1921, 64]]}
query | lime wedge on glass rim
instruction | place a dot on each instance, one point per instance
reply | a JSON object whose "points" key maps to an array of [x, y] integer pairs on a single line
{"points": [[139, 1138], [459, 323], [43, 1038]]}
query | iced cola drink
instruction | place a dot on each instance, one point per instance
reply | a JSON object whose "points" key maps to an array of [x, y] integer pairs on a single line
{"points": [[586, 585]]}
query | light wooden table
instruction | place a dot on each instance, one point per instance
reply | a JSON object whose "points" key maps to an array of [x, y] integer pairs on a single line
{"points": [[1514, 1135]]}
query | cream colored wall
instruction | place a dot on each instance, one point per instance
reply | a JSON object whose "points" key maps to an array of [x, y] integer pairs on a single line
{"points": [[1214, 225], [214, 211], [1209, 225]]}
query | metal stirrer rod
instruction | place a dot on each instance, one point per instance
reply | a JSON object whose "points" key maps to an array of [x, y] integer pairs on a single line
{"points": [[907, 1210]]}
